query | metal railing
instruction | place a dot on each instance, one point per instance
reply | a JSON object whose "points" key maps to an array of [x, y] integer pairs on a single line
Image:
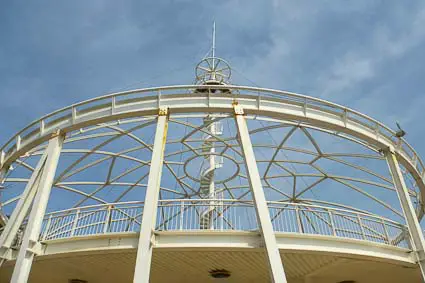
{"points": [[38, 129], [184, 215]]}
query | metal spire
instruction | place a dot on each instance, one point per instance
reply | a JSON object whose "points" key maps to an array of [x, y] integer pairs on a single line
{"points": [[213, 44], [213, 70]]}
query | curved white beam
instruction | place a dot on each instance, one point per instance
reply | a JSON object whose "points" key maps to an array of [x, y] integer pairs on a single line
{"points": [[274, 104]]}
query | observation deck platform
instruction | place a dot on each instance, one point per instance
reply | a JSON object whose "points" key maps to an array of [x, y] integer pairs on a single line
{"points": [[316, 243]]}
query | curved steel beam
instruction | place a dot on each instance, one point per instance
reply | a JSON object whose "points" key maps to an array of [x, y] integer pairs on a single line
{"points": [[288, 106]]}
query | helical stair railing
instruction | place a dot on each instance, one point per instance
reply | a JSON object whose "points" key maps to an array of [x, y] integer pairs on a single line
{"points": [[207, 175], [206, 215], [226, 215]]}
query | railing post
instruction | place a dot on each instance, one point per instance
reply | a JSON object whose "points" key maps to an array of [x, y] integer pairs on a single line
{"points": [[415, 230], [331, 219], [42, 124], [46, 229], [408, 239], [299, 221], [75, 222], [73, 114], [387, 237], [345, 117], [3, 172], [361, 227], [212, 207], [108, 219], [147, 236], [113, 105], [2, 157], [277, 273], [181, 215], [221, 214], [18, 142]]}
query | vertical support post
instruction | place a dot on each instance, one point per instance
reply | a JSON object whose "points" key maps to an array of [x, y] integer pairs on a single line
{"points": [[107, 219], [2, 157], [75, 222], [3, 172], [146, 237], [299, 221], [265, 224], [221, 212], [361, 227], [384, 226], [332, 222], [46, 230], [415, 231], [181, 215], [21, 210], [30, 243]]}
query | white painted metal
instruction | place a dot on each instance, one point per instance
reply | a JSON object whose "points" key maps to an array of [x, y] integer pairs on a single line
{"points": [[181, 215], [213, 50], [147, 237], [236, 240], [316, 112], [207, 184], [3, 218], [284, 109], [3, 172], [415, 231], [30, 244], [277, 272], [10, 232]]}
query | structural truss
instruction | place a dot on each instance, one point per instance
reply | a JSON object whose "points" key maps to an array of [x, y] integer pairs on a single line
{"points": [[211, 157]]}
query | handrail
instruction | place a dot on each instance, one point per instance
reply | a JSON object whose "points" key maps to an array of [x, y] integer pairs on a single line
{"points": [[226, 214], [16, 140], [164, 201]]}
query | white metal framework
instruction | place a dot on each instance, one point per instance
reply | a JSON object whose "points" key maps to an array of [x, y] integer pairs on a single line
{"points": [[262, 211], [147, 236], [30, 243], [283, 207], [208, 157], [408, 209]]}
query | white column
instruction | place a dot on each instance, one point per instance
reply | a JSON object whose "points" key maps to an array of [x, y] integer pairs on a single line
{"points": [[30, 244], [3, 172], [415, 231], [275, 263], [20, 212], [147, 236], [211, 194]]}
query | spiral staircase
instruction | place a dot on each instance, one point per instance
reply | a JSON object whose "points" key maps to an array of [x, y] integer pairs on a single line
{"points": [[207, 186]]}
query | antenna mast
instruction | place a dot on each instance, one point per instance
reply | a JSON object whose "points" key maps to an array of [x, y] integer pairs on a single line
{"points": [[213, 47], [213, 70]]}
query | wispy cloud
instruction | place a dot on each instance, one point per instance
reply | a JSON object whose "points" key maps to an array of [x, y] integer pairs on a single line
{"points": [[358, 53], [362, 62]]}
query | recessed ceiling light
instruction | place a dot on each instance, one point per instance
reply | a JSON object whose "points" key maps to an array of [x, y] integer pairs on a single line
{"points": [[220, 273]]}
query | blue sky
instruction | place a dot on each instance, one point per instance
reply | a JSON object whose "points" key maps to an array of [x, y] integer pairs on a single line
{"points": [[364, 54]]}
